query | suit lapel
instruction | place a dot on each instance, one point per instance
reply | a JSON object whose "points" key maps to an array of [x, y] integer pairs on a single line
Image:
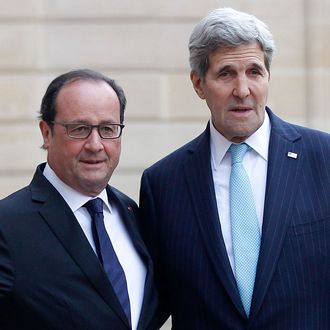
{"points": [[128, 212], [282, 175], [66, 228], [200, 183], [129, 215]]}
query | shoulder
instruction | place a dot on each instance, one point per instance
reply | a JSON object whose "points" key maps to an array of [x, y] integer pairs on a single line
{"points": [[26, 202], [312, 138], [312, 145], [15, 200], [311, 132], [308, 136], [125, 203], [122, 197], [179, 156], [316, 149], [16, 210]]}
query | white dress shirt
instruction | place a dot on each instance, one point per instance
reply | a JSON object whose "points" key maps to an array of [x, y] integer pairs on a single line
{"points": [[255, 163], [135, 270]]}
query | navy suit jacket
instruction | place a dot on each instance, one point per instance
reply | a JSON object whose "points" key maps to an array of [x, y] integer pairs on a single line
{"points": [[183, 233], [50, 277]]}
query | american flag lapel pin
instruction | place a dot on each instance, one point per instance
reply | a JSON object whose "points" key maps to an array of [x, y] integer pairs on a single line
{"points": [[292, 155]]}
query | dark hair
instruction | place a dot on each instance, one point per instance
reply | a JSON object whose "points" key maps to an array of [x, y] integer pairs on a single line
{"points": [[48, 104]]}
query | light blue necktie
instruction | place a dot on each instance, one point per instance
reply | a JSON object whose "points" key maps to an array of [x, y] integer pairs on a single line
{"points": [[244, 226]]}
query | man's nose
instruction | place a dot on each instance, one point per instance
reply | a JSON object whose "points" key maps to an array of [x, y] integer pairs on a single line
{"points": [[94, 140], [241, 88]]}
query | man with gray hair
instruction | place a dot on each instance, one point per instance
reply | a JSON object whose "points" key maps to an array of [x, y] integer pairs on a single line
{"points": [[238, 220]]}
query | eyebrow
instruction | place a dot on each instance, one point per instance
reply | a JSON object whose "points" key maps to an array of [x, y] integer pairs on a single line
{"points": [[85, 122], [229, 67], [258, 66], [225, 68]]}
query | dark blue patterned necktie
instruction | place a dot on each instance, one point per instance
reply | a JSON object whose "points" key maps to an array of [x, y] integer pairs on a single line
{"points": [[107, 255]]}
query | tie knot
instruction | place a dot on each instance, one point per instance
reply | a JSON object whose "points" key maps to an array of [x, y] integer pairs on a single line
{"points": [[94, 206], [237, 152]]}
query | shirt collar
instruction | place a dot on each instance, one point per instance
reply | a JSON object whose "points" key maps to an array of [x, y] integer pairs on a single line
{"points": [[258, 141], [73, 198]]}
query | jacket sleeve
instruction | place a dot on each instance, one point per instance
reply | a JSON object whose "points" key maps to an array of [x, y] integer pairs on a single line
{"points": [[148, 227], [6, 270]]}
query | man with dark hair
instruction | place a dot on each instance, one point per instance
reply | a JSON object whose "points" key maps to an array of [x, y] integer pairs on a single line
{"points": [[71, 256], [238, 220]]}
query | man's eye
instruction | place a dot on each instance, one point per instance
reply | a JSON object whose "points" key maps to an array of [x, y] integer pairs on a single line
{"points": [[79, 129], [108, 129], [255, 72], [224, 74]]}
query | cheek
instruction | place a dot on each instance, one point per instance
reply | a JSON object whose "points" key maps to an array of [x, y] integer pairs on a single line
{"points": [[71, 150], [263, 91], [67, 154], [113, 151], [216, 98]]}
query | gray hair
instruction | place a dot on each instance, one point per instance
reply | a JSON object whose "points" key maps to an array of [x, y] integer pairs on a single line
{"points": [[226, 27]]}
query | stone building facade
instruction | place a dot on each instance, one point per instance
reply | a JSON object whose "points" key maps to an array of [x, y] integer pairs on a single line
{"points": [[143, 45]]}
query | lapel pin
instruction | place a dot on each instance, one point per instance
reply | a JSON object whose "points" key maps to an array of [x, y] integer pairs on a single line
{"points": [[292, 155], [129, 208]]}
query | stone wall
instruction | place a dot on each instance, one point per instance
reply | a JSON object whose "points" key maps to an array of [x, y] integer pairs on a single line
{"points": [[143, 45]]}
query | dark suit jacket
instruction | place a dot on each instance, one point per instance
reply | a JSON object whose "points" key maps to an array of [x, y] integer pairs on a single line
{"points": [[182, 229], [50, 278]]}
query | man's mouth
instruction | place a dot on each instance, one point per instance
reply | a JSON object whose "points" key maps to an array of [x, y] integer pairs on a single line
{"points": [[92, 161], [240, 109]]}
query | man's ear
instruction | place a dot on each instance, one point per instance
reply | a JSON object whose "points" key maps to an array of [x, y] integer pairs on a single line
{"points": [[46, 133], [197, 84]]}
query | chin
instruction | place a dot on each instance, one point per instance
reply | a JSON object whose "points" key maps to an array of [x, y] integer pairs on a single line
{"points": [[92, 186]]}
